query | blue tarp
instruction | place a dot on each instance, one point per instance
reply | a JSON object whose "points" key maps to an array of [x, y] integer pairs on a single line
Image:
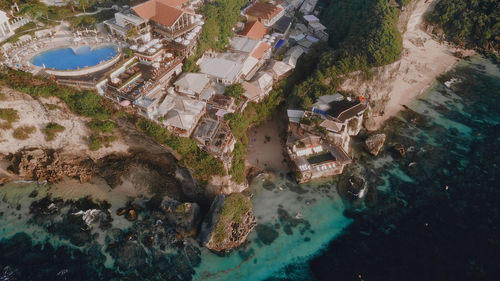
{"points": [[315, 110], [278, 45]]}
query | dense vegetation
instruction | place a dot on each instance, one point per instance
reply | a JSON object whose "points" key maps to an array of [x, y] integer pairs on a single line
{"points": [[99, 126], [203, 164], [220, 17], [363, 34], [235, 91], [469, 23], [92, 20], [232, 211], [52, 14]]}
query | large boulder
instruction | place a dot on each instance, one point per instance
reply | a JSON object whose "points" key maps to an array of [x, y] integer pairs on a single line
{"points": [[374, 143], [183, 217], [228, 222], [130, 255]]}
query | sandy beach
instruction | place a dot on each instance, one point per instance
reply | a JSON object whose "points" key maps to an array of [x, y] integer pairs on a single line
{"points": [[265, 150], [399, 83]]}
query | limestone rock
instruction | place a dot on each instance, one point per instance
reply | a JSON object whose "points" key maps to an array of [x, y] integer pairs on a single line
{"points": [[374, 143], [352, 187], [370, 124], [400, 149], [48, 165], [183, 217], [228, 222], [131, 215]]}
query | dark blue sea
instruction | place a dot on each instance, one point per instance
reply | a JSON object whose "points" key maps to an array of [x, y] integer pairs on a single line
{"points": [[432, 211]]}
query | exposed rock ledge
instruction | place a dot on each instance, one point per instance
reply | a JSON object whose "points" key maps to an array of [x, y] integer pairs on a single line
{"points": [[374, 143], [49, 165], [228, 222]]}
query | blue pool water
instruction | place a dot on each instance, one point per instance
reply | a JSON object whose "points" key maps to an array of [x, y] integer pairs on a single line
{"points": [[71, 59]]}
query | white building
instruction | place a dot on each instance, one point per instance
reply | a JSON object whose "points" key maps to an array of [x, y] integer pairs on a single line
{"points": [[259, 88], [293, 55], [128, 25], [224, 68], [181, 114], [5, 28]]}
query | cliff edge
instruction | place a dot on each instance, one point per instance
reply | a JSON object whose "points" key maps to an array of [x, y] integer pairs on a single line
{"points": [[228, 223]]}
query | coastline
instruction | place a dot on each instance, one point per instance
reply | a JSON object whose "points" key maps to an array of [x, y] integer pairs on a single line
{"points": [[422, 61]]}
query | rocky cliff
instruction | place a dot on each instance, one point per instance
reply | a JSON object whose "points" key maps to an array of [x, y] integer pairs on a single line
{"points": [[228, 222], [49, 165], [378, 89], [374, 143]]}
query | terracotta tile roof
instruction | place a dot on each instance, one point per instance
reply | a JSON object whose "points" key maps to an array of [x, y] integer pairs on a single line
{"points": [[163, 12], [173, 3], [255, 30], [263, 10], [146, 10], [260, 50]]}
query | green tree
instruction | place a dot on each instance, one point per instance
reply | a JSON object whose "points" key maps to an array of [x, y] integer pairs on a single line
{"points": [[235, 91]]}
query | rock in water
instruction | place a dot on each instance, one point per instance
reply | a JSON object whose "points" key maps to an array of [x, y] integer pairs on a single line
{"points": [[184, 217], [89, 216], [374, 143], [131, 215], [228, 222], [400, 150]]}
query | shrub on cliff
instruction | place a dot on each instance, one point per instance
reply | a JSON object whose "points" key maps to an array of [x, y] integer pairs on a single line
{"points": [[238, 164], [204, 165], [101, 126], [10, 115], [52, 129], [23, 132], [234, 208], [97, 141], [85, 103]]}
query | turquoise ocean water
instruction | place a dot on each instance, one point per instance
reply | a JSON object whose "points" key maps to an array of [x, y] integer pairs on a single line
{"points": [[296, 223]]}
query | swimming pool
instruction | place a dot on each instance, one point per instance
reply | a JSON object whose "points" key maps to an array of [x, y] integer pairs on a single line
{"points": [[72, 59]]}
